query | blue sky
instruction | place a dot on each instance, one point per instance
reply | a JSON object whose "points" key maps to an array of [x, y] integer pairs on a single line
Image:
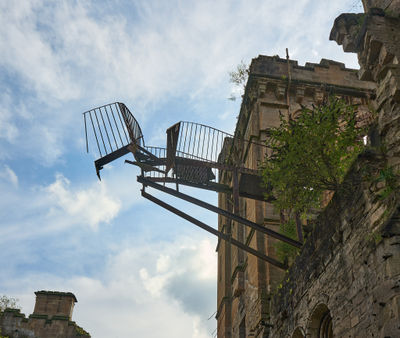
{"points": [[136, 270]]}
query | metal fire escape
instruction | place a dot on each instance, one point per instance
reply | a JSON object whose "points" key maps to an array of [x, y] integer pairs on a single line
{"points": [[196, 155]]}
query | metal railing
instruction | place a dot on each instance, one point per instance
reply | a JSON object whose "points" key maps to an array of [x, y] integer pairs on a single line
{"points": [[200, 141], [113, 127]]}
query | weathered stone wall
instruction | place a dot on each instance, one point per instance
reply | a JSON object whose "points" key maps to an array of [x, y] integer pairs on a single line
{"points": [[54, 303], [275, 87], [51, 318], [346, 280], [349, 266]]}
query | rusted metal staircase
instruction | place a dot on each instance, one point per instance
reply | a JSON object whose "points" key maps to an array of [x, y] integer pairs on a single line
{"points": [[195, 155]]}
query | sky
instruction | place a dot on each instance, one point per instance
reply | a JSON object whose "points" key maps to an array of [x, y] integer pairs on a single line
{"points": [[136, 269]]}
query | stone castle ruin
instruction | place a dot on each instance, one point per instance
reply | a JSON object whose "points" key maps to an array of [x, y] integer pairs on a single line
{"points": [[51, 318], [346, 280]]}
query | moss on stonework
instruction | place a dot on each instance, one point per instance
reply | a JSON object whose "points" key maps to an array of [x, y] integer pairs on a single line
{"points": [[80, 331], [60, 318], [37, 316]]}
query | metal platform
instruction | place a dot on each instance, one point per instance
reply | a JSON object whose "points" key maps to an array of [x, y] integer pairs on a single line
{"points": [[195, 155]]}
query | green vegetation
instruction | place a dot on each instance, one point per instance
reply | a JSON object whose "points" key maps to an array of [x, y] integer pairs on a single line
{"points": [[239, 77], [8, 302], [284, 251], [389, 178], [1, 336], [81, 331], [309, 155]]}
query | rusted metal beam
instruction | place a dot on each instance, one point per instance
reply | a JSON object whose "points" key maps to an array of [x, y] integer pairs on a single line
{"points": [[214, 231], [212, 186], [220, 211], [199, 163]]}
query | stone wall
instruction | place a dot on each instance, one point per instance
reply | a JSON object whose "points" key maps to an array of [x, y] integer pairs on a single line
{"points": [[349, 266], [275, 86], [50, 319], [346, 280]]}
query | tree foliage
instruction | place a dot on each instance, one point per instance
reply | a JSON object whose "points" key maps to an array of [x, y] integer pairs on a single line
{"points": [[240, 75], [308, 155], [311, 154], [239, 78], [8, 302]]}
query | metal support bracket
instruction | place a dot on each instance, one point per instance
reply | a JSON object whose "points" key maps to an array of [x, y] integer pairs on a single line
{"points": [[220, 211], [214, 231]]}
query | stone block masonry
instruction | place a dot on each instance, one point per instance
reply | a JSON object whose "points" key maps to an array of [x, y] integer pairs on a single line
{"points": [[51, 318], [346, 280], [275, 86]]}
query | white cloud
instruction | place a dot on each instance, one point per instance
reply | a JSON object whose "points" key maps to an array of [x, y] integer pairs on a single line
{"points": [[62, 205], [61, 58], [9, 175], [119, 294], [8, 129], [160, 52], [91, 206], [88, 54]]}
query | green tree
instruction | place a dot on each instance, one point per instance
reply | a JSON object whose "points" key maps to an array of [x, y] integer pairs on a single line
{"points": [[239, 77], [309, 155], [8, 302]]}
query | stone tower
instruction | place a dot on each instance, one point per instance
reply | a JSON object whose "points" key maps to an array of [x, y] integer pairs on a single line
{"points": [[275, 86], [51, 318], [53, 303]]}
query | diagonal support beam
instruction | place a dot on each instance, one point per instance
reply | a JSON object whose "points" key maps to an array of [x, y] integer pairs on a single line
{"points": [[220, 211], [214, 231]]}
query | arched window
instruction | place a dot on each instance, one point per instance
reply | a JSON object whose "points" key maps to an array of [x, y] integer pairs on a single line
{"points": [[320, 323]]}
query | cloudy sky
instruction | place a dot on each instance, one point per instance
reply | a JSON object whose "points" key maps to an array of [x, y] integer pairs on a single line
{"points": [[136, 270]]}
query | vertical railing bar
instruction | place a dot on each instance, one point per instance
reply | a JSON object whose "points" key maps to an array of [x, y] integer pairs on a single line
{"points": [[116, 125], [216, 147], [212, 142], [200, 143], [87, 142], [190, 138], [194, 141], [154, 151], [122, 123], [112, 129], [101, 134], [178, 148], [95, 134], [202, 147], [208, 141], [161, 155], [105, 129], [157, 153], [184, 143]]}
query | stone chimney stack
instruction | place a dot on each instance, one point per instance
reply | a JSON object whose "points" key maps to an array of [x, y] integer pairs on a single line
{"points": [[54, 303]]}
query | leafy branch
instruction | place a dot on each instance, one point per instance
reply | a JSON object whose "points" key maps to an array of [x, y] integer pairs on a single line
{"points": [[239, 77], [308, 156], [311, 154]]}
